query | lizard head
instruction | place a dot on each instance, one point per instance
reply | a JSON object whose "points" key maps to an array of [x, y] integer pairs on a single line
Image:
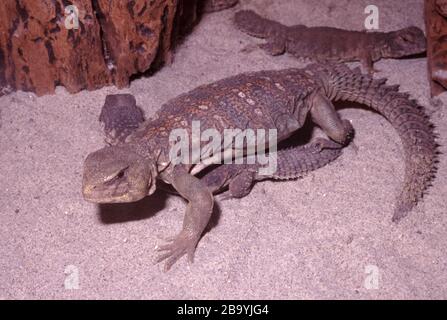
{"points": [[404, 42], [253, 24], [117, 174]]}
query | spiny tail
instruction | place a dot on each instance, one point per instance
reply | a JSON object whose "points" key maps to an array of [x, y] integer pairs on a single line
{"points": [[295, 162], [405, 115]]}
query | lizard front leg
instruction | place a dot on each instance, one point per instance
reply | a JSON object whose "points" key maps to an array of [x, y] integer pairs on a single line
{"points": [[197, 216], [324, 115], [368, 63]]}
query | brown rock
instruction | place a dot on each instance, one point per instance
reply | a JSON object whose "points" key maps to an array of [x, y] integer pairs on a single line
{"points": [[436, 25], [40, 46]]}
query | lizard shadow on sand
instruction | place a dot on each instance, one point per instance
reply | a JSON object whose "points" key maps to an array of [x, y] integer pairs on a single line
{"points": [[146, 208], [150, 206], [300, 137], [413, 56], [341, 105], [132, 211]]}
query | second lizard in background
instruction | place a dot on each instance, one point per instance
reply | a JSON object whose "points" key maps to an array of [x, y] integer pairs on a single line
{"points": [[326, 44]]}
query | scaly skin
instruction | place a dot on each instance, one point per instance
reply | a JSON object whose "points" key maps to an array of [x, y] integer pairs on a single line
{"points": [[331, 44], [277, 99], [121, 116], [405, 115], [292, 163]]}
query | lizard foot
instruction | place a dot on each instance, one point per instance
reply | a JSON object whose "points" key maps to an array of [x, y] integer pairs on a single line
{"points": [[354, 147], [349, 130], [180, 245]]}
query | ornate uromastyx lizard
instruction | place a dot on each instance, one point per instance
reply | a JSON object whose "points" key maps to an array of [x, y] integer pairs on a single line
{"points": [[331, 44], [121, 116], [277, 99]]}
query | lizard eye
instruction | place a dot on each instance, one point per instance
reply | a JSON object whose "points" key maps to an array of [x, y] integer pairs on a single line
{"points": [[406, 38], [116, 177], [120, 174]]}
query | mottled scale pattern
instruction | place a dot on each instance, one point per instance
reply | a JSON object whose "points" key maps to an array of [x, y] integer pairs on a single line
{"points": [[236, 102], [280, 100], [120, 117], [259, 99], [292, 162]]}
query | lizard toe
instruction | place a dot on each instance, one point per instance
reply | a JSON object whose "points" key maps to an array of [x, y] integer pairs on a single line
{"points": [[177, 248]]}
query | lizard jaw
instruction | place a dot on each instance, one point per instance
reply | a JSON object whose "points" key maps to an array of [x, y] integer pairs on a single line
{"points": [[99, 194]]}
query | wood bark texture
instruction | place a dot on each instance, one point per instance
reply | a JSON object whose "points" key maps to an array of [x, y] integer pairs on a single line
{"points": [[436, 26], [85, 44]]}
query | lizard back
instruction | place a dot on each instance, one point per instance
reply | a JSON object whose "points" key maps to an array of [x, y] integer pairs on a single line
{"points": [[254, 100]]}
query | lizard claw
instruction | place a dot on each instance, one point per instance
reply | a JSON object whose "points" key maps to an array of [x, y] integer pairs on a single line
{"points": [[349, 129], [354, 147], [319, 144], [176, 248]]}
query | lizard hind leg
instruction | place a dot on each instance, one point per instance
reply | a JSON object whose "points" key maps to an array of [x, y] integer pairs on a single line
{"points": [[324, 115], [239, 186]]}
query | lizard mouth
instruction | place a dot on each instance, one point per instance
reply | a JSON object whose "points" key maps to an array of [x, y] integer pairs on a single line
{"points": [[114, 189], [106, 194]]}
